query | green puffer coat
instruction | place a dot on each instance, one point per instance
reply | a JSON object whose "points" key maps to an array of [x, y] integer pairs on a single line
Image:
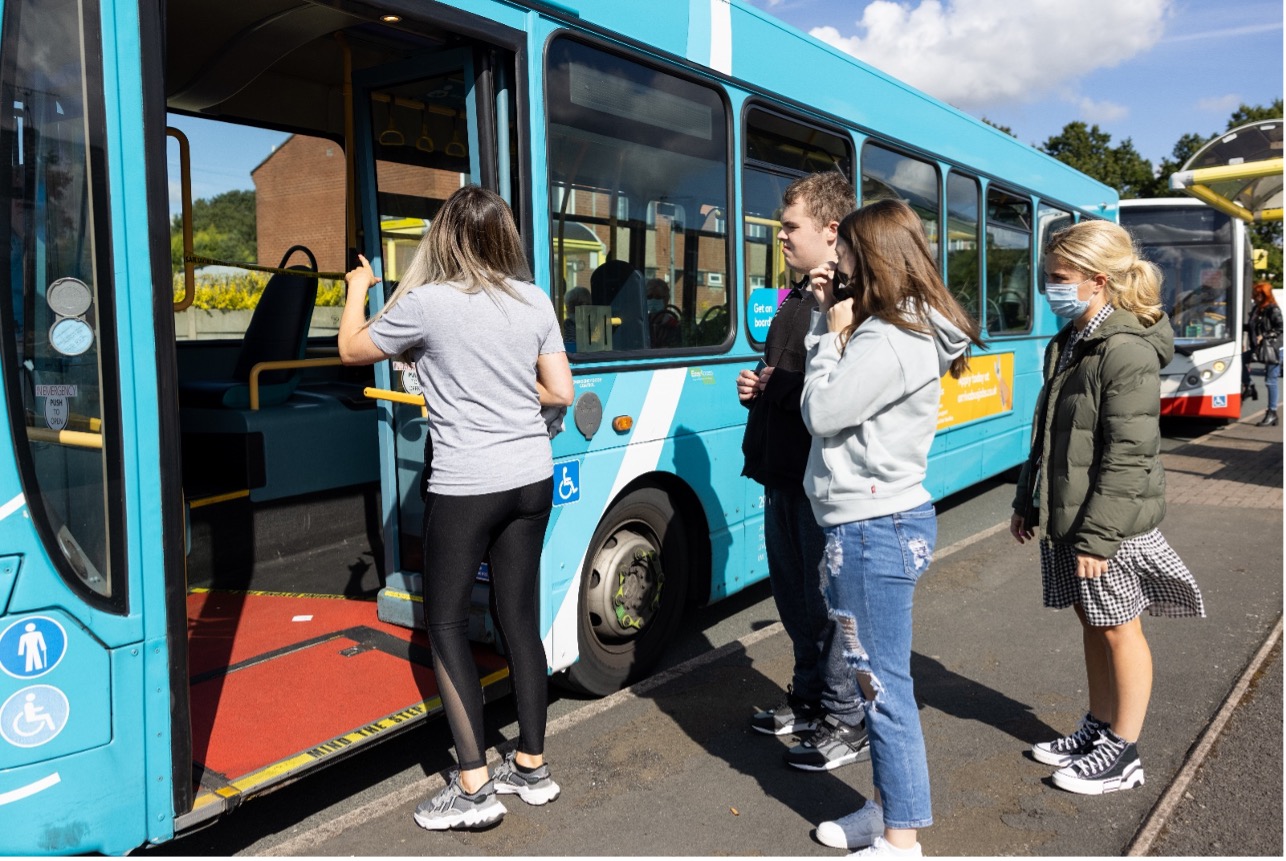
{"points": [[1096, 432]]}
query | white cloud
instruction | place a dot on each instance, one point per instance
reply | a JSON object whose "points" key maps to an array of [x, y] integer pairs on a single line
{"points": [[1220, 104], [980, 54], [1227, 33], [1100, 112]]}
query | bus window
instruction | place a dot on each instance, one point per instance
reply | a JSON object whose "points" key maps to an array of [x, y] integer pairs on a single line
{"points": [[1049, 220], [294, 196], [1009, 273], [59, 350], [778, 150], [638, 163], [886, 173], [964, 277]]}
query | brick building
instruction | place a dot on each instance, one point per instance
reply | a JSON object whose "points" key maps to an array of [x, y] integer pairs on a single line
{"points": [[299, 200]]}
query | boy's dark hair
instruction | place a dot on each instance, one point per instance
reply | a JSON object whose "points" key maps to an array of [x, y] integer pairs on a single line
{"points": [[827, 196]]}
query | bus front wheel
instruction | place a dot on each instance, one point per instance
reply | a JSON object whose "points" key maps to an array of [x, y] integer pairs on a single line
{"points": [[633, 589]]}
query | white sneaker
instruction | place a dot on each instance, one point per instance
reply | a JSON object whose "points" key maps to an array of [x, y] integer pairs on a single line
{"points": [[883, 848], [858, 829]]}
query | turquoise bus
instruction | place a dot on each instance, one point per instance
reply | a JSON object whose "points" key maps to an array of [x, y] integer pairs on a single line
{"points": [[209, 529]]}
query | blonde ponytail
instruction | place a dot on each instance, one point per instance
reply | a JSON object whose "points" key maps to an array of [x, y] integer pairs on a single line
{"points": [[1133, 284]]}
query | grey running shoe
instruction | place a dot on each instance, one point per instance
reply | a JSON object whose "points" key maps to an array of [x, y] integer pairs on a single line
{"points": [[858, 829], [832, 744], [1111, 766], [534, 788], [793, 715], [455, 808], [1062, 751]]}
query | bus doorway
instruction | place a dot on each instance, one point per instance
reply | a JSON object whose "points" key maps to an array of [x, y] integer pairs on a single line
{"points": [[298, 474]]}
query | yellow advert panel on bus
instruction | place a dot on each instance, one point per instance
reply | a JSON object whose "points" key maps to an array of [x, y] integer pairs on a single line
{"points": [[986, 389]]}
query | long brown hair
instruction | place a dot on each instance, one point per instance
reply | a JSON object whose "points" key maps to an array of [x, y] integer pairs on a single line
{"points": [[1263, 293], [471, 244], [896, 277]]}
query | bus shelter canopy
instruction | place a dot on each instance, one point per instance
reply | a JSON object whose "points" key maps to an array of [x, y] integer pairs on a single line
{"points": [[1239, 172]]}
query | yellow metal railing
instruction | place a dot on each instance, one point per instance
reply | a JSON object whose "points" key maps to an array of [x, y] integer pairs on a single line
{"points": [[185, 186], [283, 365], [397, 397], [76, 439]]}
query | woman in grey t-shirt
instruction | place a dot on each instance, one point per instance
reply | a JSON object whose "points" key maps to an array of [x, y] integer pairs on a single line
{"points": [[489, 354]]}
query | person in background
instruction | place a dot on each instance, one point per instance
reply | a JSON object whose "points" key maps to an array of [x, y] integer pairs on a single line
{"points": [[489, 352], [1094, 483], [884, 333], [575, 297], [1264, 332], [822, 697]]}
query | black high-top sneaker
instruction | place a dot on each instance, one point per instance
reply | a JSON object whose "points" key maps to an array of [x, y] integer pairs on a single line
{"points": [[1112, 765], [1063, 750]]}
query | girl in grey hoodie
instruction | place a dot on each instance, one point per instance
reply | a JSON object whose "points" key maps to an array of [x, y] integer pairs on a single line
{"points": [[885, 332]]}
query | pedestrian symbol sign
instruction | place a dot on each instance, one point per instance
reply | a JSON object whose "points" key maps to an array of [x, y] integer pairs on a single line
{"points": [[34, 716], [32, 646], [566, 482]]}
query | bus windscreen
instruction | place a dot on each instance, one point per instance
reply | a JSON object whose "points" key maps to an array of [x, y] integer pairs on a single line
{"points": [[1193, 248]]}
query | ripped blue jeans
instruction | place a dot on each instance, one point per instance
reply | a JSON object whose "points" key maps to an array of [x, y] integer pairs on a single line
{"points": [[871, 568]]}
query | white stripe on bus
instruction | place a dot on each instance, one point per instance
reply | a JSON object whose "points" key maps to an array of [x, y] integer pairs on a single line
{"points": [[655, 419], [721, 36], [12, 505], [30, 789]]}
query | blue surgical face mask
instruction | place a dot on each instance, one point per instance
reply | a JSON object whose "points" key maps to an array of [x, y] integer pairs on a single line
{"points": [[1063, 300]]}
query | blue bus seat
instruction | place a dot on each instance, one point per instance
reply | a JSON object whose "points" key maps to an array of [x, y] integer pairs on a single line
{"points": [[620, 285], [278, 331]]}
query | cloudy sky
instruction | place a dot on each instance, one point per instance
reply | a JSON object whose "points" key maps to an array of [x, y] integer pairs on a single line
{"points": [[1149, 70]]}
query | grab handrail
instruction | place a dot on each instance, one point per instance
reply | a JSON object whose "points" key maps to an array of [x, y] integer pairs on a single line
{"points": [[185, 186]]}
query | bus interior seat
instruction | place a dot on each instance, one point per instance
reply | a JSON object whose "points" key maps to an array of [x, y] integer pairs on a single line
{"points": [[278, 331], [620, 285], [300, 441]]}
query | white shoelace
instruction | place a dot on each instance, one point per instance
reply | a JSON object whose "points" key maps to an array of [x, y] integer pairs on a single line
{"points": [[1104, 754]]}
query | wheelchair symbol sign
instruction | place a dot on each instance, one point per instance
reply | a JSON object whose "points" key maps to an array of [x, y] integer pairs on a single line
{"points": [[566, 482], [32, 646], [34, 716], [1219, 402]]}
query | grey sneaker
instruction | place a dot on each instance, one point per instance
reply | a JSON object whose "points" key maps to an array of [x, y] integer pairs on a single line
{"points": [[793, 715], [455, 808], [858, 829], [534, 788], [833, 744], [1062, 751]]}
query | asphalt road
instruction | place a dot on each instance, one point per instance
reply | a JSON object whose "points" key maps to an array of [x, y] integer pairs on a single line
{"points": [[672, 770]]}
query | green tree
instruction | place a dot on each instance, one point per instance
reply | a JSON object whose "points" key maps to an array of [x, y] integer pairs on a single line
{"points": [[1254, 113], [1089, 149], [223, 227], [1006, 129]]}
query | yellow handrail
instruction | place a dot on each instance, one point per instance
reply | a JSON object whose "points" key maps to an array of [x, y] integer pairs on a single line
{"points": [[390, 395], [397, 397], [283, 365], [78, 439], [185, 184]]}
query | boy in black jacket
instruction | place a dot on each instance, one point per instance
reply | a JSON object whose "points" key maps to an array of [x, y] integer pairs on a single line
{"points": [[823, 696]]}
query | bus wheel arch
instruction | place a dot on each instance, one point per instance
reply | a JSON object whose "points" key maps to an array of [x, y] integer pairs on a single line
{"points": [[637, 581]]}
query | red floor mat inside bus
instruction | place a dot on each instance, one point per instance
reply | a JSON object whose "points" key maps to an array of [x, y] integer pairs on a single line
{"points": [[278, 677]]}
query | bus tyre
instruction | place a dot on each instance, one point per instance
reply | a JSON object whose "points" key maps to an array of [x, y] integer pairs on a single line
{"points": [[633, 589]]}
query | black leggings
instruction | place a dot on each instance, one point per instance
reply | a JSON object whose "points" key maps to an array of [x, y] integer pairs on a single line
{"points": [[458, 532]]}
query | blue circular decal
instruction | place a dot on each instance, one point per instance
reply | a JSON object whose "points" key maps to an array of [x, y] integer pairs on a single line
{"points": [[34, 716], [32, 646]]}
